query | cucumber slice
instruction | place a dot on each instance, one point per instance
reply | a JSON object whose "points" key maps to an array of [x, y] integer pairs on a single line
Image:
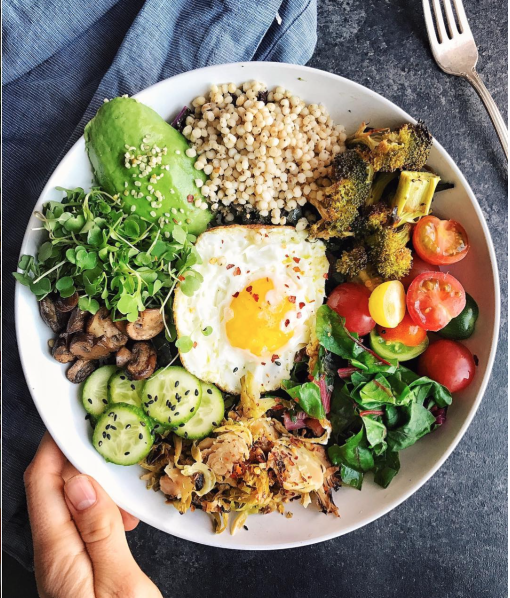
{"points": [[395, 350], [123, 435], [94, 394], [123, 390], [209, 415], [172, 396]]}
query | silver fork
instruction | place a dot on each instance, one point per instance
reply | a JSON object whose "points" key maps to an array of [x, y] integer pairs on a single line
{"points": [[455, 51]]}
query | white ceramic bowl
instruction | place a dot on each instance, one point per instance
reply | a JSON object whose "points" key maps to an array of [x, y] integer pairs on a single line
{"points": [[57, 400]]}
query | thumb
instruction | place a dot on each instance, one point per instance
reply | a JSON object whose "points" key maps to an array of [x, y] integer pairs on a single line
{"points": [[101, 528]]}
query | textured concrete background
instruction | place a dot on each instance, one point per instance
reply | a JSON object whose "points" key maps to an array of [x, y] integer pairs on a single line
{"points": [[449, 540]]}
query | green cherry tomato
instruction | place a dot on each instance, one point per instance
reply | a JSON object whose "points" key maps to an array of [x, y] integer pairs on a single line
{"points": [[396, 350], [463, 325]]}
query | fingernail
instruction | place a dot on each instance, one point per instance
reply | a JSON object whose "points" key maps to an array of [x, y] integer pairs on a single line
{"points": [[80, 492]]}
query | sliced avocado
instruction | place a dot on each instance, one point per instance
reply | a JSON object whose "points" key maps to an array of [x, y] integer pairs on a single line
{"points": [[122, 140]]}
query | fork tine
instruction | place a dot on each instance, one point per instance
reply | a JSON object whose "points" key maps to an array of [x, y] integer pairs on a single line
{"points": [[441, 30], [461, 15], [429, 22], [450, 18]]}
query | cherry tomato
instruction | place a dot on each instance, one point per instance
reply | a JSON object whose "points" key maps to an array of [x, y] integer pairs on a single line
{"points": [[449, 363], [350, 300], [434, 298], [407, 332], [440, 242], [418, 267]]}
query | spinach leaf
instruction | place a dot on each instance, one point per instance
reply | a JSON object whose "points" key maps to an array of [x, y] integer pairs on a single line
{"points": [[354, 453], [351, 477], [343, 413], [375, 433], [418, 422], [387, 466], [308, 396]]}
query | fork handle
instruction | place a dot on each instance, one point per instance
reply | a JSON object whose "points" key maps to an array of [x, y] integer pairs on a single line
{"points": [[497, 120]]}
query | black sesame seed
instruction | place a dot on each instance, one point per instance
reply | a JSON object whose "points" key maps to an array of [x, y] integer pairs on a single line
{"points": [[185, 434], [181, 426], [149, 396], [245, 527], [140, 436], [209, 391], [150, 402], [176, 383], [235, 370], [176, 413], [196, 392], [90, 401], [192, 409], [108, 436], [105, 401], [113, 427], [278, 362], [169, 420], [187, 393], [214, 424], [128, 426], [126, 453], [104, 434], [177, 396], [173, 407], [141, 423], [114, 418], [133, 387], [155, 398], [100, 443], [107, 426], [168, 404], [123, 377], [111, 414]]}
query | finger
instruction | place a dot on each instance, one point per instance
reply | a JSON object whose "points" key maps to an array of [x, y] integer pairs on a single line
{"points": [[130, 521], [101, 527], [50, 520]]}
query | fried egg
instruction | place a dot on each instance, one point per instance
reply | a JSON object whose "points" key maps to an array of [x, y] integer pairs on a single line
{"points": [[255, 307]]}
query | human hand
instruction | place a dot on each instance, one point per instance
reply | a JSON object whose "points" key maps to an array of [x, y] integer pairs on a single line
{"points": [[80, 547]]}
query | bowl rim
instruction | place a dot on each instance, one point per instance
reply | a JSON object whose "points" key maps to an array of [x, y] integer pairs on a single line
{"points": [[119, 497]]}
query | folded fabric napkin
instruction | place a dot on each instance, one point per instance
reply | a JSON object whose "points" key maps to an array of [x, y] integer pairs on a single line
{"points": [[60, 60]]}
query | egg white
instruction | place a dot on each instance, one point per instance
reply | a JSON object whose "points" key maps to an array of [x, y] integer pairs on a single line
{"points": [[233, 257]]}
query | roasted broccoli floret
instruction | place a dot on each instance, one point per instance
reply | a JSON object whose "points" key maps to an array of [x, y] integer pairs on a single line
{"points": [[414, 195], [388, 251], [352, 261], [338, 204], [406, 148]]}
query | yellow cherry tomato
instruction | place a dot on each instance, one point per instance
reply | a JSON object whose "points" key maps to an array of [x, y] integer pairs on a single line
{"points": [[387, 304]]}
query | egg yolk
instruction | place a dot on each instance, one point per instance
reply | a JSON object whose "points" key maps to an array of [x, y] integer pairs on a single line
{"points": [[257, 325]]}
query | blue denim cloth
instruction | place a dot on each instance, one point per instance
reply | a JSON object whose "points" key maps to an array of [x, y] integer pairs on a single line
{"points": [[60, 59]]}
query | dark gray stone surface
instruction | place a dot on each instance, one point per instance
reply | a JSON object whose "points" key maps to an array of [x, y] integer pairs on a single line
{"points": [[449, 540]]}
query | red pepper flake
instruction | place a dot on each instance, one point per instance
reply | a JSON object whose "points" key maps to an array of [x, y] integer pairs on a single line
{"points": [[274, 358], [296, 269], [292, 299], [284, 285], [301, 305], [237, 271], [287, 322], [297, 259], [298, 315], [286, 255], [236, 294], [263, 363], [255, 296], [181, 278], [230, 266], [190, 198], [195, 344], [249, 289], [326, 276]]}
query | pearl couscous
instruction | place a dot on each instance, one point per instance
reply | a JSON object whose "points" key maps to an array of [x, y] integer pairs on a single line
{"points": [[265, 153]]}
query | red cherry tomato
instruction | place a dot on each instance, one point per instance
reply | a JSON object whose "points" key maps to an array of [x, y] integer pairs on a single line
{"points": [[449, 363], [418, 267], [407, 332], [350, 300], [434, 298], [440, 241]]}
